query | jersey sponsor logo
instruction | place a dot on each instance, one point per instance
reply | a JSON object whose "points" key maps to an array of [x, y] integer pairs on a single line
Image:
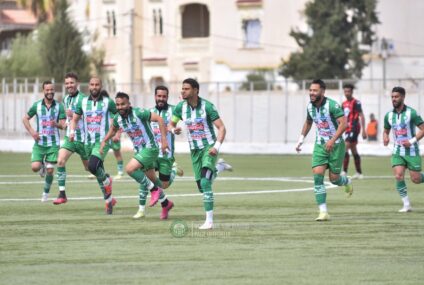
{"points": [[48, 123], [46, 117], [47, 132], [93, 129], [94, 119], [346, 111], [135, 133], [322, 125], [196, 135]]}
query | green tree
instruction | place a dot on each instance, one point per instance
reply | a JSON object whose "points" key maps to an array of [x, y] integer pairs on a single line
{"points": [[61, 47], [331, 47], [23, 61], [258, 80]]}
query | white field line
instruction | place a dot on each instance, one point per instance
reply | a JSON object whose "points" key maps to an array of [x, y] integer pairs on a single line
{"points": [[251, 192]]}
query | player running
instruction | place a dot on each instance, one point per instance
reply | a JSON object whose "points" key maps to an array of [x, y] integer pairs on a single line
{"points": [[329, 147]]}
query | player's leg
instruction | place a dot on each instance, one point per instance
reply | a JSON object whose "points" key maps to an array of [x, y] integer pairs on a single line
{"points": [[165, 203], [96, 167], [399, 167], [50, 162], [356, 157], [320, 192], [207, 176], [145, 160], [65, 152], [346, 154], [37, 160], [116, 147], [166, 171], [335, 166], [221, 166]]}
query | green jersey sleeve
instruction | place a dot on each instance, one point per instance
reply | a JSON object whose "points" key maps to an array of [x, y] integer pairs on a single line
{"points": [[143, 114], [336, 110], [62, 114], [32, 111], [112, 106], [308, 116], [212, 112], [115, 121], [78, 108], [177, 112], [386, 122], [416, 119]]}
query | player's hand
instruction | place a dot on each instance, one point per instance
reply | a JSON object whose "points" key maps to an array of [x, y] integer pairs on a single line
{"points": [[36, 136], [329, 146], [69, 113], [177, 130], [116, 139], [102, 146], [364, 135], [164, 146], [213, 151], [386, 140], [71, 136], [298, 146], [406, 143]]}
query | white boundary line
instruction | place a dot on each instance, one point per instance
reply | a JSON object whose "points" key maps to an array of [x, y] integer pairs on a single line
{"points": [[251, 192]]}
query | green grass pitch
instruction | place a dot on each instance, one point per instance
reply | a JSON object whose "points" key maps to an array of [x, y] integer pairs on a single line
{"points": [[261, 238]]}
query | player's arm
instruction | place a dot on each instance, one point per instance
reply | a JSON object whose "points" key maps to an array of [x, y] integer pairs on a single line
{"points": [[386, 131], [112, 131], [28, 127], [163, 130], [305, 130], [339, 132], [61, 124], [418, 136], [172, 126], [222, 131], [74, 122]]}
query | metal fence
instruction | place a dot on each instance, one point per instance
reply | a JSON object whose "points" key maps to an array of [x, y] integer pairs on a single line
{"points": [[273, 115]]}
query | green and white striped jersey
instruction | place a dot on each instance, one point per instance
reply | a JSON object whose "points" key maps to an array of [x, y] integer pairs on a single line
{"points": [[137, 126], [46, 119], [166, 115], [199, 122], [403, 125], [96, 117], [71, 103], [325, 119]]}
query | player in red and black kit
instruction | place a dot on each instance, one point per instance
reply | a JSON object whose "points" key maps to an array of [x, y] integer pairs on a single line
{"points": [[355, 119]]}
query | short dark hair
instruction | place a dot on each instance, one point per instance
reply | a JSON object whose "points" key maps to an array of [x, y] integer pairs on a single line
{"points": [[193, 83], [122, 95], [47, 82], [399, 90], [104, 93], [71, 75], [320, 83], [161, 87], [349, 86]]}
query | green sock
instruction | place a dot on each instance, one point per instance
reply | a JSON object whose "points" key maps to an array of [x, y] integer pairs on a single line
{"points": [[48, 182], [422, 177], [120, 166], [319, 189], [142, 192], [208, 199], [142, 179], [342, 180], [61, 177], [401, 188], [101, 174], [172, 177]]}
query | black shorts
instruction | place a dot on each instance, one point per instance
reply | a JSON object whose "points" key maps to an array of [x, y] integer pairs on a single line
{"points": [[351, 137]]}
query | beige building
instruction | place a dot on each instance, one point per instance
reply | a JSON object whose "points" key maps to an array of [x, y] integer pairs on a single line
{"points": [[148, 42], [156, 41]]}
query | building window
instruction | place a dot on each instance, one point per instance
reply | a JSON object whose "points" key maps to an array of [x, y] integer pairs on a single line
{"points": [[157, 22], [113, 23], [195, 21], [252, 33]]}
